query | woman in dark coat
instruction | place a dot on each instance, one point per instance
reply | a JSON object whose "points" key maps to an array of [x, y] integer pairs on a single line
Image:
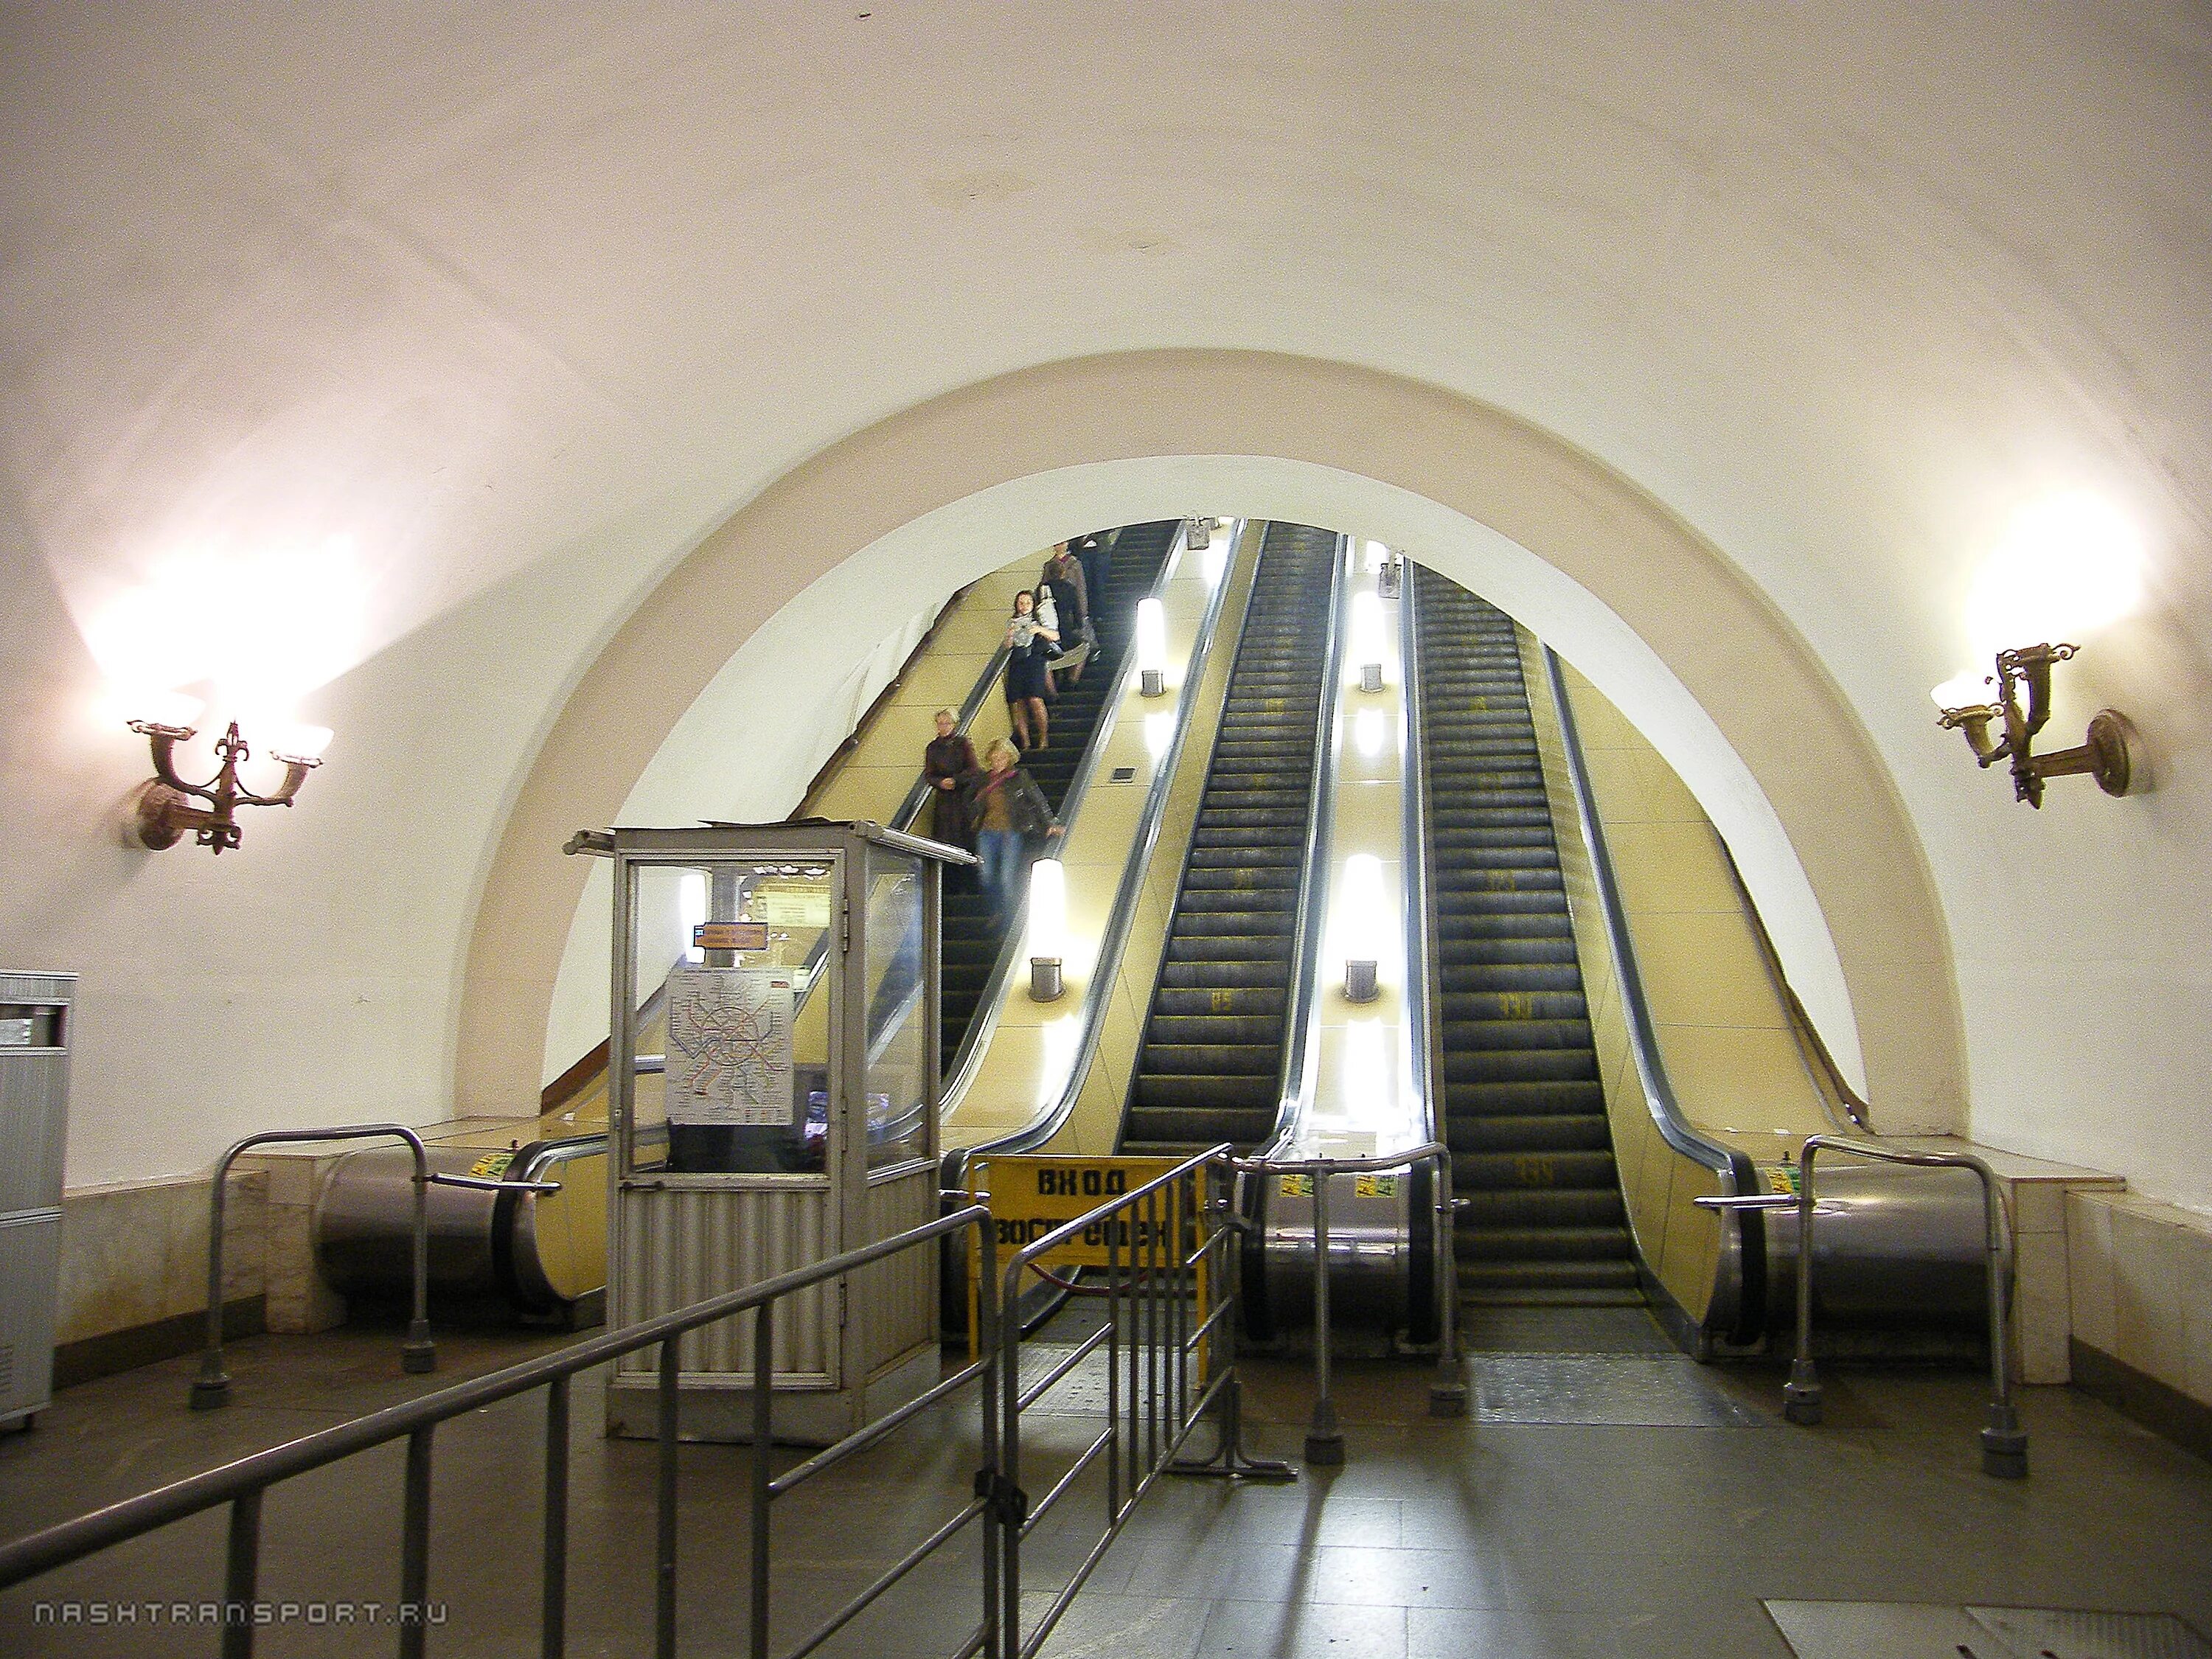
{"points": [[949, 764], [1063, 576]]}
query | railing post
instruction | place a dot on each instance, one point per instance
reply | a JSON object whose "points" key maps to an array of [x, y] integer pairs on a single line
{"points": [[1324, 1442], [762, 1469], [1800, 1395], [418, 1354], [995, 1646], [668, 1399], [553, 1623], [241, 1575], [211, 1387], [1448, 1393], [2004, 1443], [415, 1549]]}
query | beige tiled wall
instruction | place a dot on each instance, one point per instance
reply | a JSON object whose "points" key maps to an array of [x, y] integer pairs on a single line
{"points": [[2140, 1273], [135, 1252]]}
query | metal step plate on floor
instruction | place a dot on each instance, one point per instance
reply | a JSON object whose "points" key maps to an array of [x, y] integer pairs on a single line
{"points": [[1919, 1630], [1628, 1390]]}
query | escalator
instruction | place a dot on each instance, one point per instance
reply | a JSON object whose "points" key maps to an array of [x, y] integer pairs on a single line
{"points": [[1209, 1067], [1540, 1218], [970, 944]]}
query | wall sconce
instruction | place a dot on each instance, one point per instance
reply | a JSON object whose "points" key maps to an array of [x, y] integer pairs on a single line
{"points": [[1047, 928], [2104, 755], [1367, 640], [1152, 648], [165, 802], [1361, 917]]}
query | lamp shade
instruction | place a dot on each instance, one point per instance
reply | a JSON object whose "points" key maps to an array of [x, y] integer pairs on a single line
{"points": [[172, 711], [1367, 641], [1151, 636], [1048, 917], [1362, 914], [1964, 690], [298, 743]]}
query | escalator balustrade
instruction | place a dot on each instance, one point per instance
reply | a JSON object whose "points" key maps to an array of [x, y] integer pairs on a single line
{"points": [[1210, 1061], [1541, 1218]]}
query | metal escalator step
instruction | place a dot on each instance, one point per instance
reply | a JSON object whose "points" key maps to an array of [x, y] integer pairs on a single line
{"points": [[1540, 1207], [1547, 1169], [1524, 1098], [1491, 1035], [1519, 1066], [1191, 972], [1232, 1000], [1234, 1059], [1583, 1244], [1533, 1133]]}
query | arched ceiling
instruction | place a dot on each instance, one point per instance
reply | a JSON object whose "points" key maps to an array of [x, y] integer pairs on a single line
{"points": [[455, 329]]}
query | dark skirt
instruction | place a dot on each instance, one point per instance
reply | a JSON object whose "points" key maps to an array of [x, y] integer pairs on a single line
{"points": [[1025, 675]]}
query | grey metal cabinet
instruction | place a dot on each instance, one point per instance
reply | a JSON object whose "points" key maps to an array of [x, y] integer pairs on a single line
{"points": [[35, 1015]]}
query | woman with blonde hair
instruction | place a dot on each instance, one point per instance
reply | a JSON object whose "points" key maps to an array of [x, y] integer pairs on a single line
{"points": [[1006, 809]]}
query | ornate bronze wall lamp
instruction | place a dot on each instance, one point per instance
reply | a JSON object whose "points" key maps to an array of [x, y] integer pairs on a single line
{"points": [[2103, 756], [166, 811]]}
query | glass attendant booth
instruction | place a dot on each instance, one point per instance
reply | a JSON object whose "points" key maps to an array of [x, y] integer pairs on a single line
{"points": [[775, 995]]}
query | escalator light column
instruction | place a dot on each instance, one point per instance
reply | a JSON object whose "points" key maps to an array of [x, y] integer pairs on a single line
{"points": [[1361, 924], [1367, 640], [1047, 928], [1151, 648]]}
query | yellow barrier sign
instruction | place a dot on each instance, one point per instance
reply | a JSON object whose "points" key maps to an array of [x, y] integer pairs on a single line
{"points": [[1028, 1196]]}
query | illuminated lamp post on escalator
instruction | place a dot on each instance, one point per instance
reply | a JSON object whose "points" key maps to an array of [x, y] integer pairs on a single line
{"points": [[1151, 648], [1047, 927]]}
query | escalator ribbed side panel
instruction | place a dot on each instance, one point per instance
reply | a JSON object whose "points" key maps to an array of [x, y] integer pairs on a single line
{"points": [[1212, 1050], [970, 944], [1542, 1217]]}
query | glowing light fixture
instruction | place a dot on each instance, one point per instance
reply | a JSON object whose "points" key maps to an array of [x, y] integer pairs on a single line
{"points": [[1151, 648], [1048, 926], [1367, 641], [2069, 565], [1216, 562], [165, 809], [1360, 916]]}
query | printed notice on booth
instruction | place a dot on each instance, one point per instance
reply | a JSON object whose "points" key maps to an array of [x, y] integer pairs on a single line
{"points": [[729, 1045]]}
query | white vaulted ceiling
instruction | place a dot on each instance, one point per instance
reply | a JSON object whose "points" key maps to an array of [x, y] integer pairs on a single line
{"points": [[393, 355]]}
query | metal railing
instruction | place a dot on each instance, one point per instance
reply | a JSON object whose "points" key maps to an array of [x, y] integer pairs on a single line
{"points": [[418, 1353], [2004, 1443], [1448, 1393], [242, 1484], [1165, 1368]]}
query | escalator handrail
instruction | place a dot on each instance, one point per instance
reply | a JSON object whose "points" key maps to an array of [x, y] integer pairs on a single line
{"points": [[1675, 1127], [1741, 1294], [968, 1059], [1301, 1059], [1422, 1012], [1122, 916]]}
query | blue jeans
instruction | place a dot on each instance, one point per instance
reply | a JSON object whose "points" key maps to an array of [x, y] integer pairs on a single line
{"points": [[1000, 851]]}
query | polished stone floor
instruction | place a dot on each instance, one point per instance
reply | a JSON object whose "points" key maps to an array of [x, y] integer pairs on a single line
{"points": [[1604, 1497]]}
